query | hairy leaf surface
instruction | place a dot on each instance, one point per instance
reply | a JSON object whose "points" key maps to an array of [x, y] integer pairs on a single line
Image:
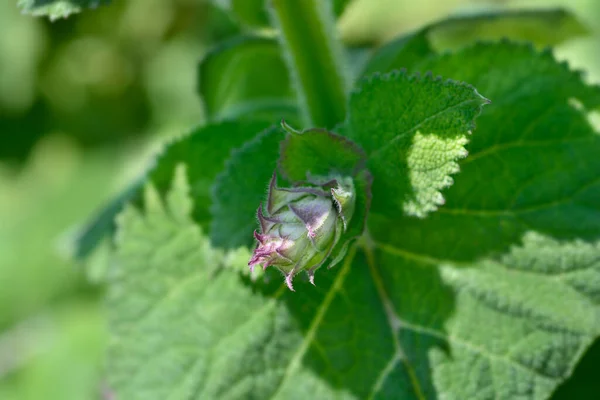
{"points": [[413, 130], [186, 324]]}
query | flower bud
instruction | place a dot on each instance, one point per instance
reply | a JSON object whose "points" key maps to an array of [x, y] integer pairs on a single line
{"points": [[301, 225]]}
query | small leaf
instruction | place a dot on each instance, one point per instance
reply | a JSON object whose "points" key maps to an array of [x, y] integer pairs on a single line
{"points": [[318, 152], [55, 9], [414, 130], [246, 76]]}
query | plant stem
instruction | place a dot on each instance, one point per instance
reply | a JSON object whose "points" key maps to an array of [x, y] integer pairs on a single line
{"points": [[308, 39]]}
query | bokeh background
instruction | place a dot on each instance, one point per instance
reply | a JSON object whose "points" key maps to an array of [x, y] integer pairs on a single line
{"points": [[84, 104]]}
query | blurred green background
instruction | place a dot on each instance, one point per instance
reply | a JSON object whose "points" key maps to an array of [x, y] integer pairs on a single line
{"points": [[84, 103]]}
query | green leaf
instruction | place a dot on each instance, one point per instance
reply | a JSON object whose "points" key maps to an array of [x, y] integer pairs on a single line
{"points": [[505, 327], [237, 193], [172, 331], [532, 164], [385, 324], [246, 76], [55, 9], [413, 130], [240, 188], [525, 200], [318, 152], [541, 27], [204, 150]]}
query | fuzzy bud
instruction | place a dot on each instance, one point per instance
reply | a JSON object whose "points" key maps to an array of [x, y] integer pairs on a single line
{"points": [[301, 225]]}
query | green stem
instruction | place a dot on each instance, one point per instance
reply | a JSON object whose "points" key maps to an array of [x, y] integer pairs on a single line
{"points": [[308, 39]]}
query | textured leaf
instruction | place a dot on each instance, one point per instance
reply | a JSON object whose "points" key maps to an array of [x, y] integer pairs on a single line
{"points": [[504, 328], [413, 129], [180, 318], [532, 164], [204, 150], [317, 152], [246, 76], [533, 167], [55, 9], [240, 188], [542, 27], [386, 324]]}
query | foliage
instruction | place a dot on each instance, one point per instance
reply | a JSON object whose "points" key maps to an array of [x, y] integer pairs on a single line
{"points": [[469, 268]]}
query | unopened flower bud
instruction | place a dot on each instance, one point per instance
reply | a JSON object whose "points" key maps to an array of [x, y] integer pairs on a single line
{"points": [[301, 225]]}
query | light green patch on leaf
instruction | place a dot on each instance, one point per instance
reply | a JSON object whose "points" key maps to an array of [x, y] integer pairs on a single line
{"points": [[55, 9], [246, 76], [427, 176], [413, 130]]}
